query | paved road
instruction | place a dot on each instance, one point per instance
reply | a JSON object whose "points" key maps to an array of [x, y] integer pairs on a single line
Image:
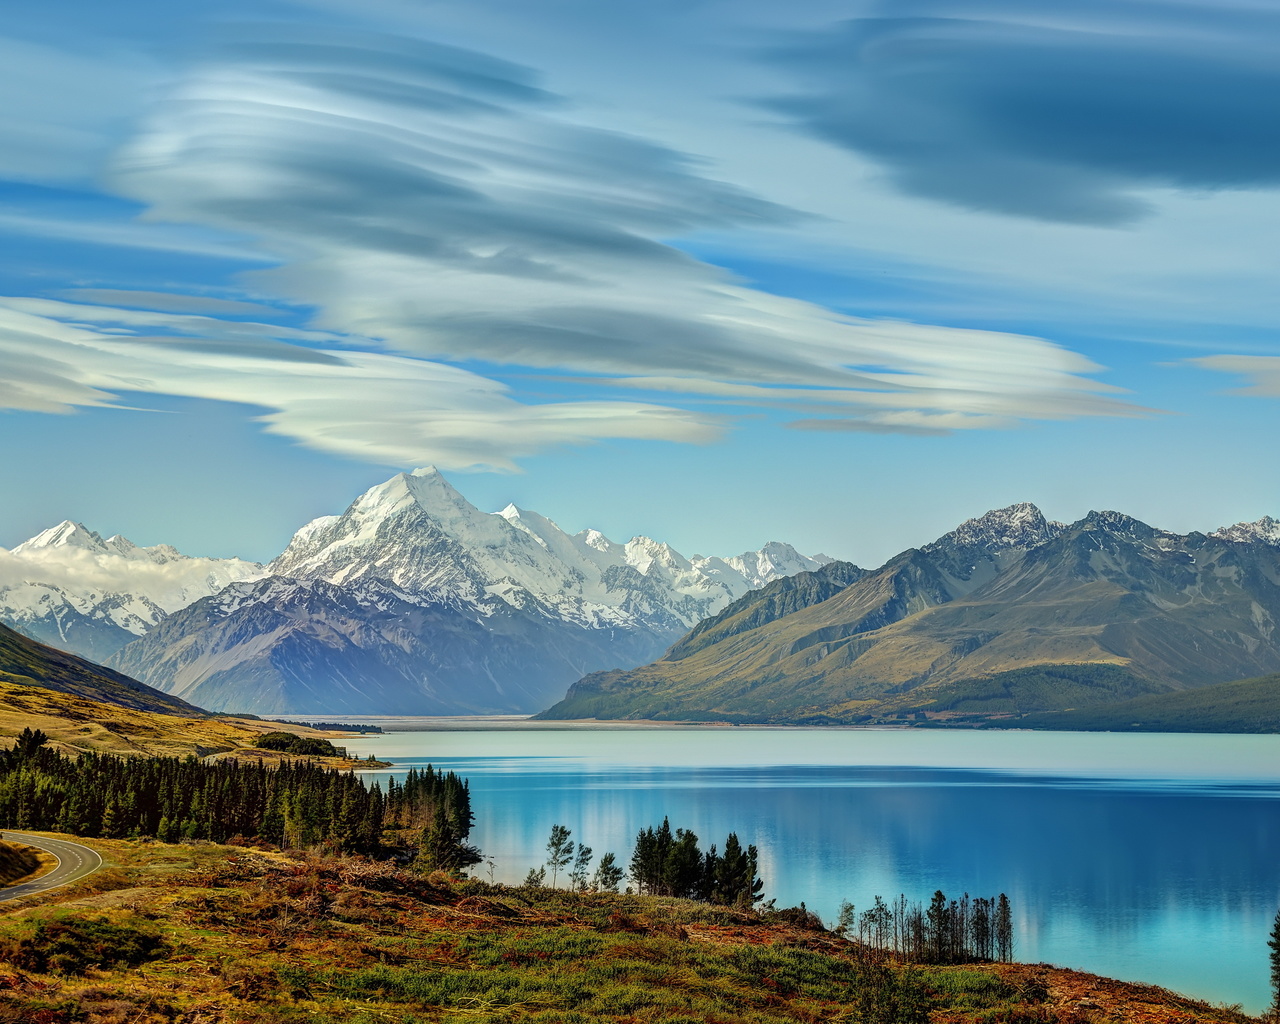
{"points": [[74, 862]]}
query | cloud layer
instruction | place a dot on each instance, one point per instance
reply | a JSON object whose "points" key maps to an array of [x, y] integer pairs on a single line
{"points": [[437, 207], [1059, 112]]}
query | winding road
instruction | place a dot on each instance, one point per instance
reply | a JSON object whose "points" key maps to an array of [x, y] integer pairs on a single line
{"points": [[74, 862]]}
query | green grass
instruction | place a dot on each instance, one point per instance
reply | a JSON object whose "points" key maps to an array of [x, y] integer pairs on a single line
{"points": [[1245, 706]]}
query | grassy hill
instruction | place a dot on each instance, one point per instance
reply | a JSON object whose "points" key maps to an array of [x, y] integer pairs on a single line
{"points": [[75, 723], [29, 663]]}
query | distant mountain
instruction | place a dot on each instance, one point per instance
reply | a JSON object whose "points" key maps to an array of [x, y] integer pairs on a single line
{"points": [[1266, 530], [70, 588], [413, 601], [26, 662], [928, 632]]}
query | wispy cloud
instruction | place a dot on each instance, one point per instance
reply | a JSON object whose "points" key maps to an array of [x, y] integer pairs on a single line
{"points": [[365, 405], [1052, 111], [442, 202], [1261, 372]]}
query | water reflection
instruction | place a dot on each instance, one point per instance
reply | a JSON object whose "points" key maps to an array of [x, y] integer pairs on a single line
{"points": [[1168, 878]]}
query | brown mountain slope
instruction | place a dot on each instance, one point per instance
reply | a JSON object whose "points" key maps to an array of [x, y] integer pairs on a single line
{"points": [[1170, 611], [30, 663]]}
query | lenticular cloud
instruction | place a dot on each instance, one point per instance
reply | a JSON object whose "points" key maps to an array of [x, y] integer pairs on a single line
{"points": [[435, 207]]}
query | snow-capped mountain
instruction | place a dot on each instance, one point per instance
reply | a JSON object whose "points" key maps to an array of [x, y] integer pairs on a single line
{"points": [[1266, 530], [500, 610], [418, 533], [70, 588]]}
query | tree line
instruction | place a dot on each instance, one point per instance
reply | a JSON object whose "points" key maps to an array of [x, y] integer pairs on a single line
{"points": [[176, 799], [663, 863], [435, 807], [944, 932]]}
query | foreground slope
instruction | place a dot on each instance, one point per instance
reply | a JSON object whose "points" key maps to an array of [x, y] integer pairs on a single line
{"points": [[1115, 608], [413, 601], [225, 935]]}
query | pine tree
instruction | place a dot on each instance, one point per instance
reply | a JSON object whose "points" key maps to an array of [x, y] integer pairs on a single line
{"points": [[608, 874], [682, 872], [1004, 929], [735, 875], [938, 921], [559, 850], [581, 865]]}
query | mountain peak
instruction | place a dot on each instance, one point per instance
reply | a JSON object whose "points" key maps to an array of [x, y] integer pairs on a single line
{"points": [[427, 488], [1020, 525], [67, 534], [1118, 522], [1266, 530]]}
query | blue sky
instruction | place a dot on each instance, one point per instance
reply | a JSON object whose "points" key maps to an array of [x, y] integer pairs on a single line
{"points": [[837, 274]]}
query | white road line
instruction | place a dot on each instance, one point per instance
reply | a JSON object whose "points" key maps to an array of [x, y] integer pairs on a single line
{"points": [[63, 874]]}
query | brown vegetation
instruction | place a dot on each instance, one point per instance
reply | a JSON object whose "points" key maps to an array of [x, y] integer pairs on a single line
{"points": [[17, 862], [204, 934]]}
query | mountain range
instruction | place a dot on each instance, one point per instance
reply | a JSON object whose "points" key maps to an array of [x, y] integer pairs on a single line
{"points": [[1009, 614], [70, 588], [413, 601]]}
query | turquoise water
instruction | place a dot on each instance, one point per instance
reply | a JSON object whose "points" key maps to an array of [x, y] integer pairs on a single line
{"points": [[1151, 858]]}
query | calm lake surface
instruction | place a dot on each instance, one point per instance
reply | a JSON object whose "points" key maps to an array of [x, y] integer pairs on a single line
{"points": [[1150, 858]]}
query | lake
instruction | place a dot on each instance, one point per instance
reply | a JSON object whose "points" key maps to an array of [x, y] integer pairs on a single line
{"points": [[1150, 858]]}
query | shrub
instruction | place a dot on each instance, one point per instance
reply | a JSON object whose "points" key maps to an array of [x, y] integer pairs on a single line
{"points": [[291, 743], [69, 945]]}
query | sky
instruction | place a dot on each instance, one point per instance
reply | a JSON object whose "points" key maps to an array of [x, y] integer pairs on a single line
{"points": [[837, 274]]}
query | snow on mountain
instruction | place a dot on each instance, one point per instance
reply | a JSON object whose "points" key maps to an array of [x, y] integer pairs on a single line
{"points": [[773, 561], [418, 533], [413, 601], [1018, 526], [70, 587], [1266, 530]]}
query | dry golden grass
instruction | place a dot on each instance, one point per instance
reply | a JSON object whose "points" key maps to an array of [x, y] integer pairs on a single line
{"points": [[74, 724]]}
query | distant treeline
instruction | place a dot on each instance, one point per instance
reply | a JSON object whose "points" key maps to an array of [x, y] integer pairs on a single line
{"points": [[293, 805], [944, 932], [326, 726]]}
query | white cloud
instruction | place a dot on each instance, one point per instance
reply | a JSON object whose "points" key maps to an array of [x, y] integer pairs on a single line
{"points": [[365, 405], [1261, 372], [436, 206]]}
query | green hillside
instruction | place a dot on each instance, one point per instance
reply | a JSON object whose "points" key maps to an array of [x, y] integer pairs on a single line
{"points": [[26, 662], [1247, 705]]}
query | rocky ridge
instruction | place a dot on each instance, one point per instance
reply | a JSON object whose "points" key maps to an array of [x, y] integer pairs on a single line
{"points": [[1008, 615]]}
